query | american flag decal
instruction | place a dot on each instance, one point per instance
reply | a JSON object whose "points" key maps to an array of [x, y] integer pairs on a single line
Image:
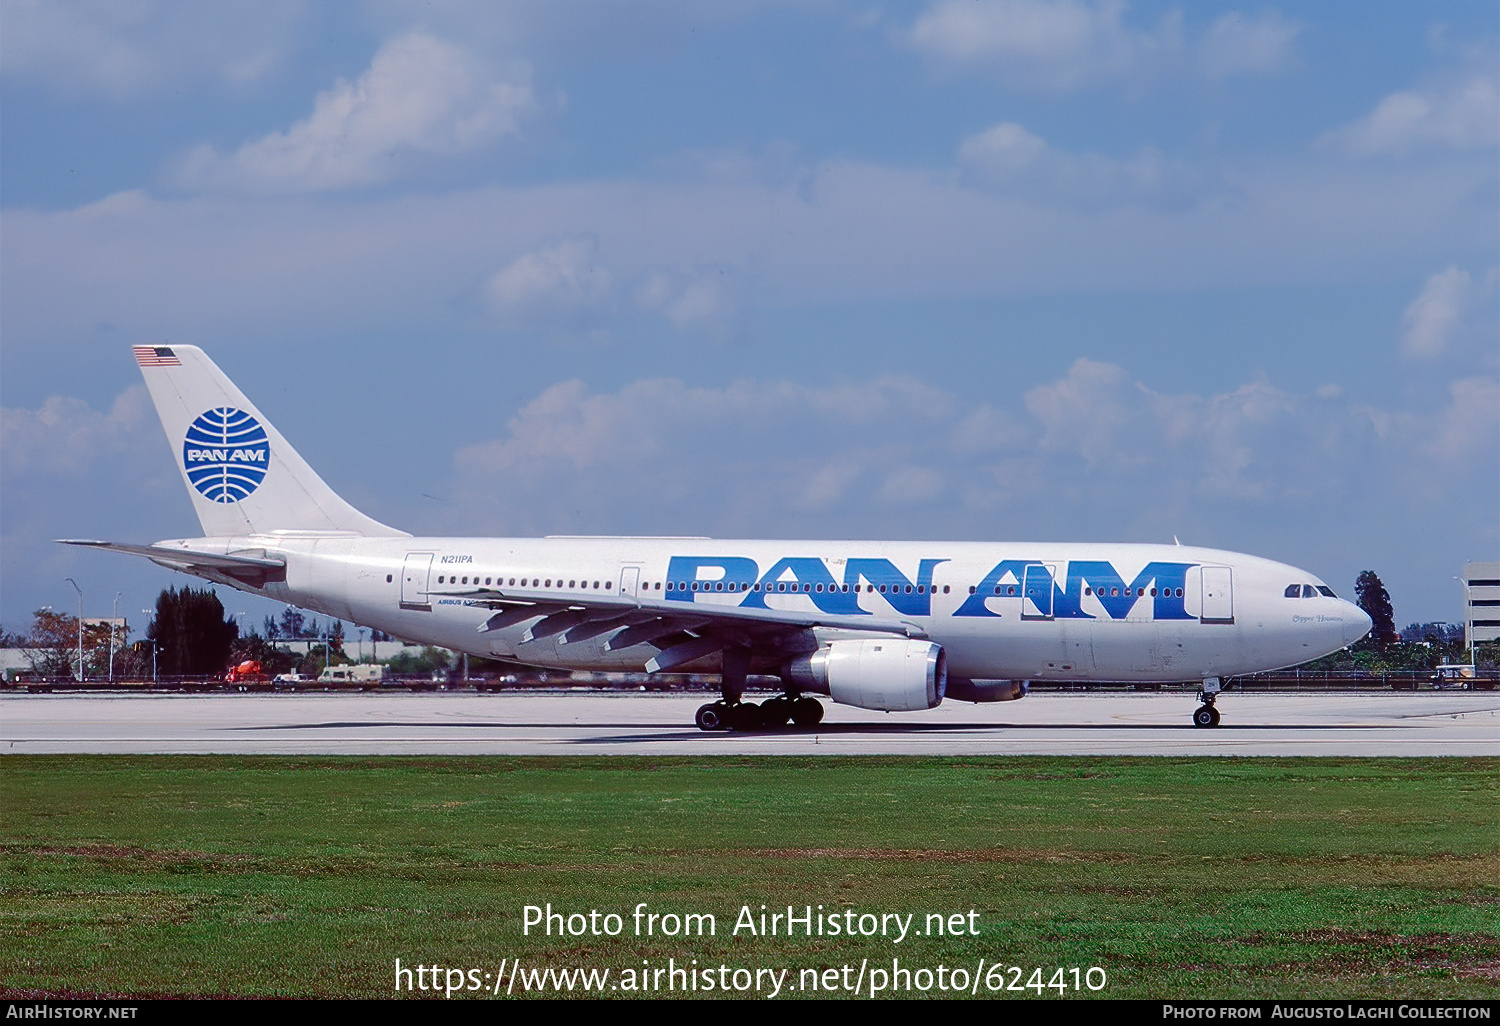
{"points": [[155, 356]]}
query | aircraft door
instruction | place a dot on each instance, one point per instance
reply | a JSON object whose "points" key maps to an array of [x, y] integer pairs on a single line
{"points": [[1036, 592], [416, 573], [1218, 595], [630, 582]]}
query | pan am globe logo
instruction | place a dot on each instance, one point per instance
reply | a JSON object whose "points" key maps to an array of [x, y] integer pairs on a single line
{"points": [[226, 454]]}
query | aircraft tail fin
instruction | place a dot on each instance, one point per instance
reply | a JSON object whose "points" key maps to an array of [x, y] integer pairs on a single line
{"points": [[242, 475]]}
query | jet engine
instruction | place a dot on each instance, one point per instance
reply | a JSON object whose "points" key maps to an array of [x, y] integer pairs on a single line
{"points": [[963, 689], [888, 674]]}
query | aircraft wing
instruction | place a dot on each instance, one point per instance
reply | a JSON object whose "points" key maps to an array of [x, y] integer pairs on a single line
{"points": [[682, 631]]}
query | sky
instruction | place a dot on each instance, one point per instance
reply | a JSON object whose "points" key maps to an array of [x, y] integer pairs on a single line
{"points": [[992, 270]]}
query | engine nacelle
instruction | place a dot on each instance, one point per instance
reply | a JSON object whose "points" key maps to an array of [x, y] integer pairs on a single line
{"points": [[888, 674], [963, 689]]}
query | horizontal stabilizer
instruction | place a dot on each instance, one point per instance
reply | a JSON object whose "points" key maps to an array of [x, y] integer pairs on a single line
{"points": [[253, 570]]}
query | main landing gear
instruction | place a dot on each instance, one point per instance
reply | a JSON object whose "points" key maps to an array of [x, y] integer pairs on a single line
{"points": [[772, 714], [731, 713], [1206, 715]]}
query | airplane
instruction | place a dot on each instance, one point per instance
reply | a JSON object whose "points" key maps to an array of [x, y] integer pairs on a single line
{"points": [[893, 626]]}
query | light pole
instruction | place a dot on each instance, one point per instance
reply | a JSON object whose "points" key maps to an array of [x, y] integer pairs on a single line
{"points": [[151, 613], [80, 626], [112, 621]]}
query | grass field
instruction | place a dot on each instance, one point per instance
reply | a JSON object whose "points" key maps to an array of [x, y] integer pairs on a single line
{"points": [[1188, 878]]}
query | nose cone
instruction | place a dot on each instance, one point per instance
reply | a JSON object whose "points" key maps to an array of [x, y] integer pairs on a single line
{"points": [[1357, 623]]}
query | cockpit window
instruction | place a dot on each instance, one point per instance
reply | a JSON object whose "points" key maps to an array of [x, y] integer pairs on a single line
{"points": [[1323, 589], [1308, 591], [1292, 590]]}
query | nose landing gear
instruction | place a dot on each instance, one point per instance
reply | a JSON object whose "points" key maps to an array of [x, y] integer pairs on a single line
{"points": [[1206, 715]]}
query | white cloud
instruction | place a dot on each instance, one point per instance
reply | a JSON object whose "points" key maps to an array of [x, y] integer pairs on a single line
{"points": [[1464, 436], [1058, 44], [211, 267], [1450, 309], [1007, 158], [1462, 116], [743, 450], [700, 302], [567, 286], [1069, 44], [1436, 314], [1257, 442], [125, 50], [421, 97], [67, 437], [740, 458], [560, 282], [1241, 44]]}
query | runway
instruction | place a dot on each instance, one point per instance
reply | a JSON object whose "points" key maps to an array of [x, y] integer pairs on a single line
{"points": [[627, 723]]}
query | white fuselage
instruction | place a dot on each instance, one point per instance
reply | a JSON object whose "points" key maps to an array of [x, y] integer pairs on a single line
{"points": [[1087, 612]]}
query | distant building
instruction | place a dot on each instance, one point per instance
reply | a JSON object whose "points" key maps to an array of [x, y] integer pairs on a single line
{"points": [[1482, 601]]}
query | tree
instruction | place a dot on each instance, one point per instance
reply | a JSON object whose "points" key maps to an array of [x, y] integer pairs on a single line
{"points": [[1376, 602], [193, 638], [293, 623], [52, 645], [430, 659]]}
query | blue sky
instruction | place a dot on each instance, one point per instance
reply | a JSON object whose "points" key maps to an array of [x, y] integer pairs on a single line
{"points": [[979, 269]]}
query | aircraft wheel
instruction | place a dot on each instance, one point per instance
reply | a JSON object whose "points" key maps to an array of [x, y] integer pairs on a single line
{"points": [[1215, 711], [745, 716], [1206, 716], [775, 712], [711, 717], [807, 712]]}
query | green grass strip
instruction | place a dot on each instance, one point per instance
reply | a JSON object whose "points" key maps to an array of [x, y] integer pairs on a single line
{"points": [[260, 876]]}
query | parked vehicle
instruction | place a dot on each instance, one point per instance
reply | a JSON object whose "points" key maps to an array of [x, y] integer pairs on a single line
{"points": [[248, 672], [361, 675], [1459, 675]]}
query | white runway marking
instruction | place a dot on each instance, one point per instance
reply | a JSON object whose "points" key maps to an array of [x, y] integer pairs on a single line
{"points": [[629, 723]]}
